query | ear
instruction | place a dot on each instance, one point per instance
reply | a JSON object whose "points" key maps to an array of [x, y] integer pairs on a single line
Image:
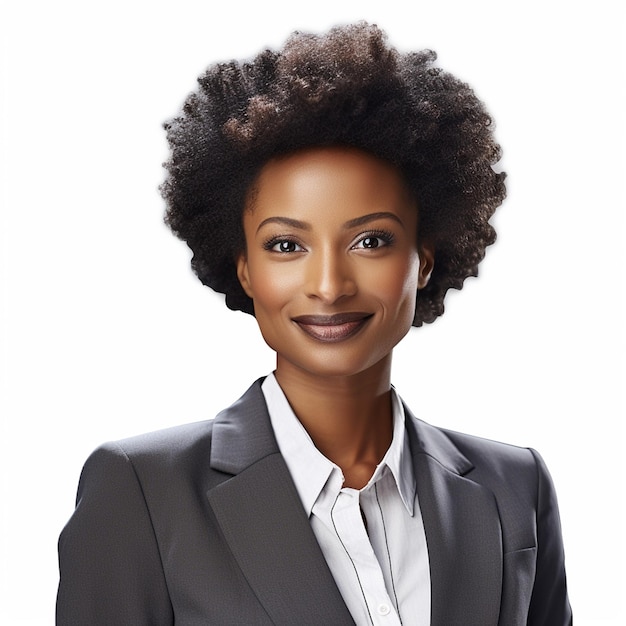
{"points": [[243, 275], [426, 254]]}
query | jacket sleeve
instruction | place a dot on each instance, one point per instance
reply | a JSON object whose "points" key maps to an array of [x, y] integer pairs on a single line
{"points": [[109, 561], [549, 605]]}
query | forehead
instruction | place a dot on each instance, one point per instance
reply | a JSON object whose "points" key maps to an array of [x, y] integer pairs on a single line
{"points": [[324, 182]]}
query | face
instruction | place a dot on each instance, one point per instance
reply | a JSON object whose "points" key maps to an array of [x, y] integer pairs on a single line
{"points": [[332, 263]]}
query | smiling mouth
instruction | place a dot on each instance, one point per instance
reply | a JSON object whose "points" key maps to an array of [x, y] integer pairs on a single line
{"points": [[332, 328]]}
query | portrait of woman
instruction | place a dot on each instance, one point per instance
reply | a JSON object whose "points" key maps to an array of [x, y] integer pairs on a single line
{"points": [[264, 358], [335, 190]]}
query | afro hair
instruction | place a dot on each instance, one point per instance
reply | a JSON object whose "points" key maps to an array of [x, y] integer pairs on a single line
{"points": [[347, 87]]}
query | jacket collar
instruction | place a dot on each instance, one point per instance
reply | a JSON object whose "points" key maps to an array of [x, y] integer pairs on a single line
{"points": [[262, 520], [269, 533], [431, 441], [243, 435]]}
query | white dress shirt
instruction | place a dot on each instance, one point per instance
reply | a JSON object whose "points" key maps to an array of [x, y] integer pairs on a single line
{"points": [[381, 569]]}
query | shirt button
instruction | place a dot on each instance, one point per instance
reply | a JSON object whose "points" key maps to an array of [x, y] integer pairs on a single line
{"points": [[383, 609]]}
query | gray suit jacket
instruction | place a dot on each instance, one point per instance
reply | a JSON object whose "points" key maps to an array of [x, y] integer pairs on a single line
{"points": [[202, 524]]}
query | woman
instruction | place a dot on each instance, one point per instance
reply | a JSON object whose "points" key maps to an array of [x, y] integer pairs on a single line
{"points": [[335, 190]]}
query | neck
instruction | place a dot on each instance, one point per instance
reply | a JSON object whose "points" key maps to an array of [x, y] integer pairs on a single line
{"points": [[349, 418]]}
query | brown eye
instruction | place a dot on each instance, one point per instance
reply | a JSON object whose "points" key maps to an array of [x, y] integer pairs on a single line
{"points": [[370, 242], [373, 240], [283, 246]]}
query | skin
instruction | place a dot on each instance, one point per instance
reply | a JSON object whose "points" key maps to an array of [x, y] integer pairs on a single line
{"points": [[333, 265]]}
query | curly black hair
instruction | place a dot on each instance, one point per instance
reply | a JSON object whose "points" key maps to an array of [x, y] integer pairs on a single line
{"points": [[347, 87]]}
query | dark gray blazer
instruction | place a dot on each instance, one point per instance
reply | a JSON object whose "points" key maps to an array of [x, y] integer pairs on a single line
{"points": [[202, 524]]}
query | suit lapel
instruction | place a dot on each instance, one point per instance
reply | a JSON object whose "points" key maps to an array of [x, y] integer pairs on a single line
{"points": [[263, 522], [462, 527], [262, 519]]}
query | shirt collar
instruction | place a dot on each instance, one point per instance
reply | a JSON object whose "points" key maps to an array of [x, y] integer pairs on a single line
{"points": [[311, 470]]}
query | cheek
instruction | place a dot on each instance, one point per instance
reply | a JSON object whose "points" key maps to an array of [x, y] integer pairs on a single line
{"points": [[273, 286], [395, 283]]}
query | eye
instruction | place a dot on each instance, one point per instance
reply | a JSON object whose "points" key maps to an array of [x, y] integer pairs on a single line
{"points": [[283, 246], [373, 240]]}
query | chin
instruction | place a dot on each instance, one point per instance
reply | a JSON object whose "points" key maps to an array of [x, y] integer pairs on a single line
{"points": [[333, 366]]}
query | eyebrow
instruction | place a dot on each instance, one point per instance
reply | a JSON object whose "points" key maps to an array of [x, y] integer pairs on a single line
{"points": [[287, 221], [370, 217], [357, 221]]}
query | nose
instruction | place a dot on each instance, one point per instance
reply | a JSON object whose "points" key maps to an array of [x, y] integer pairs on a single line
{"points": [[330, 277]]}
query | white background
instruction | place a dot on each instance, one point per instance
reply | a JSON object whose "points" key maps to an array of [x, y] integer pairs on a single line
{"points": [[106, 333]]}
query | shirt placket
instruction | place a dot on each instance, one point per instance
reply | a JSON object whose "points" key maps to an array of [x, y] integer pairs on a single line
{"points": [[350, 529]]}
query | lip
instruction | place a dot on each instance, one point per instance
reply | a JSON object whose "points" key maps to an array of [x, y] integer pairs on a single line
{"points": [[333, 328]]}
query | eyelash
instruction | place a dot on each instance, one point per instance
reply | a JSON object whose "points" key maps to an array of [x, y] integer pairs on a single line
{"points": [[386, 236], [274, 241]]}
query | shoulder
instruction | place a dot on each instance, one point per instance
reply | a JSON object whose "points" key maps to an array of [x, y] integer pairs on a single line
{"points": [[471, 455], [516, 476], [491, 455], [519, 481], [125, 498], [174, 460], [503, 467], [162, 460], [165, 445]]}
